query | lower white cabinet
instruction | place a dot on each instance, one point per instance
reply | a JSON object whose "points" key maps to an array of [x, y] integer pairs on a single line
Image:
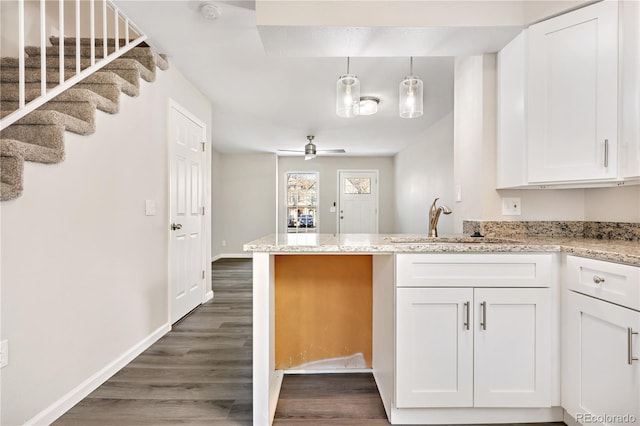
{"points": [[601, 373], [473, 347]]}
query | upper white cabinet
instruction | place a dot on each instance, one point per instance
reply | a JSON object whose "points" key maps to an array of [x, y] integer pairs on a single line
{"points": [[569, 100], [511, 149], [572, 95], [630, 94]]}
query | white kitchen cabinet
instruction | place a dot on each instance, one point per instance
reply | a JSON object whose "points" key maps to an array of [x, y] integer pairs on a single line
{"points": [[511, 97], [630, 90], [434, 348], [512, 347], [598, 375], [572, 96], [478, 345], [601, 319]]}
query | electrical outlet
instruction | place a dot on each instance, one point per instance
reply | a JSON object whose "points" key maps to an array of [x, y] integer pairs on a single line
{"points": [[224, 243], [4, 353], [511, 207]]}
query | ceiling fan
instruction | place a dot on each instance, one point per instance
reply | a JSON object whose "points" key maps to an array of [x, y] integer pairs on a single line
{"points": [[310, 149]]}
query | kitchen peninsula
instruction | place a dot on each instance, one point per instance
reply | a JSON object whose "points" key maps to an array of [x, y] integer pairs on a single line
{"points": [[493, 365]]}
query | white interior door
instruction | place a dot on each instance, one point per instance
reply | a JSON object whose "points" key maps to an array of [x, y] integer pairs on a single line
{"points": [[186, 141], [358, 209]]}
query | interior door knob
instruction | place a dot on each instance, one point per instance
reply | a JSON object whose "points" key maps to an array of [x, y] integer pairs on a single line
{"points": [[175, 226]]}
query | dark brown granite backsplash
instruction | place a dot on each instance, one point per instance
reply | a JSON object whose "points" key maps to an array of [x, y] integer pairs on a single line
{"points": [[565, 229]]}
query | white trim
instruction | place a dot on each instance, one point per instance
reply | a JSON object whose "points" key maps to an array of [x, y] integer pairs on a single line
{"points": [[330, 371], [64, 404], [208, 296]]}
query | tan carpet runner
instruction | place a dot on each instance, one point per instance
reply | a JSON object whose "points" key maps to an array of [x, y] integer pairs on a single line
{"points": [[39, 136]]}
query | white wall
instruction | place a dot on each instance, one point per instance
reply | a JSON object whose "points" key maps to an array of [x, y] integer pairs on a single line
{"points": [[475, 158], [328, 168], [247, 201], [217, 205], [423, 171], [84, 271]]}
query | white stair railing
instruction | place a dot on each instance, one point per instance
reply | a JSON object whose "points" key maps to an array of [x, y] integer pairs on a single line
{"points": [[113, 28]]}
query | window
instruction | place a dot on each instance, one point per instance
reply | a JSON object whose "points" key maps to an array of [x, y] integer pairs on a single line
{"points": [[354, 185], [302, 202]]}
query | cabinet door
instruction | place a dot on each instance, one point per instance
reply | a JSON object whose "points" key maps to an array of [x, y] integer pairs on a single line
{"points": [[573, 96], [512, 348], [598, 376], [434, 347], [511, 142]]}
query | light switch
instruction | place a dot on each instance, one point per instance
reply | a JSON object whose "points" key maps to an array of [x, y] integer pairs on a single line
{"points": [[150, 207]]}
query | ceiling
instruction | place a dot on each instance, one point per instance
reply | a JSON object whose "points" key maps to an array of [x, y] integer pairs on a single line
{"points": [[263, 102]]}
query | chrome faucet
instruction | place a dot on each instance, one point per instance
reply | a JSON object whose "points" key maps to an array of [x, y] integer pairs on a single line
{"points": [[434, 215]]}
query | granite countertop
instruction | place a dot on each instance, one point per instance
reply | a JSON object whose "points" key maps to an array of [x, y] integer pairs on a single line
{"points": [[627, 252]]}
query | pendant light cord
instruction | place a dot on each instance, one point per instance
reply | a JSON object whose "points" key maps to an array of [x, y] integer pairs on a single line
{"points": [[411, 66], [348, 65]]}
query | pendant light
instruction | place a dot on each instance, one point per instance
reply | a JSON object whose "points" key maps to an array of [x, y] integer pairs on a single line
{"points": [[410, 97], [348, 95]]}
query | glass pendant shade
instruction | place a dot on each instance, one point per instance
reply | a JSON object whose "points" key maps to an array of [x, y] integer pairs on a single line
{"points": [[410, 98], [348, 96]]}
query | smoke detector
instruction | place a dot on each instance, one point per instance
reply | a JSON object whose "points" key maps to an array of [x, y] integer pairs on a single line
{"points": [[210, 11]]}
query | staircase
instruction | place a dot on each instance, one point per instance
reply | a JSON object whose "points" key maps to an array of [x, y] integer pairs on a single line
{"points": [[40, 135]]}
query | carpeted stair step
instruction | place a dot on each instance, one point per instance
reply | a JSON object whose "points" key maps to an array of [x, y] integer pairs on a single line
{"points": [[32, 75], [53, 62], [9, 99], [71, 124], [99, 41], [11, 169], [143, 50], [81, 109], [41, 143], [130, 84], [108, 91]]}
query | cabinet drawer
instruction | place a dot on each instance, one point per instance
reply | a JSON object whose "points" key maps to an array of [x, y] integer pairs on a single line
{"points": [[473, 270], [613, 282]]}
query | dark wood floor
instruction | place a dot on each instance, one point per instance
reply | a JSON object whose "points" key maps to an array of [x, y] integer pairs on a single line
{"points": [[200, 374]]}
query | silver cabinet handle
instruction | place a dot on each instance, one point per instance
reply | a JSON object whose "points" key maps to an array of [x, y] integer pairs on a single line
{"points": [[597, 279], [466, 315], [175, 226], [483, 323], [606, 152], [630, 357]]}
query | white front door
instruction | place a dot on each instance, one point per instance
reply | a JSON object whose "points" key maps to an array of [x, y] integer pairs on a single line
{"points": [[186, 149], [358, 209]]}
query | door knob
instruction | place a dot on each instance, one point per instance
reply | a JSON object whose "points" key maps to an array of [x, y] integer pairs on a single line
{"points": [[175, 226]]}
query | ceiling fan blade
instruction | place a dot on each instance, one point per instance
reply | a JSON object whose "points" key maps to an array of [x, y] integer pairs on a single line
{"points": [[333, 151], [291, 150]]}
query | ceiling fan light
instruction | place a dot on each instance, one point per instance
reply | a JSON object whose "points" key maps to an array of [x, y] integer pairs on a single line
{"points": [[309, 156], [369, 105]]}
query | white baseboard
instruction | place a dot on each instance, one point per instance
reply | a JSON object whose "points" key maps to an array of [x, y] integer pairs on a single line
{"points": [[208, 296], [232, 256], [64, 404]]}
